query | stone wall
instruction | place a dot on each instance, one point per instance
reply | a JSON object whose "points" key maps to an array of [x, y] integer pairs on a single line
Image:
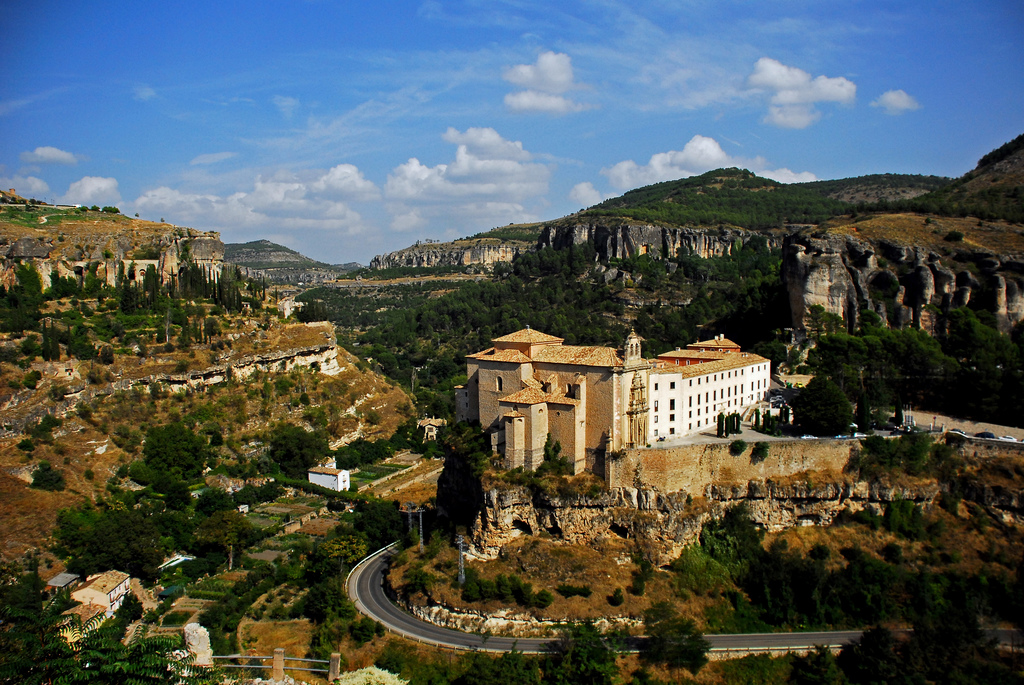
{"points": [[693, 469]]}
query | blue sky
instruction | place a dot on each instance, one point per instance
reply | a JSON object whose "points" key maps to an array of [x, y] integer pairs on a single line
{"points": [[347, 129]]}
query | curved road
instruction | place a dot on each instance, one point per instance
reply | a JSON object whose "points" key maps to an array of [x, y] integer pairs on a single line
{"points": [[365, 587]]}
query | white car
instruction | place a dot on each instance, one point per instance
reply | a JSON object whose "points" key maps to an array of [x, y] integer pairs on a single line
{"points": [[808, 437], [1007, 438], [957, 431]]}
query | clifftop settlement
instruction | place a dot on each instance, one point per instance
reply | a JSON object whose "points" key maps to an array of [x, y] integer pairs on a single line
{"points": [[594, 400]]}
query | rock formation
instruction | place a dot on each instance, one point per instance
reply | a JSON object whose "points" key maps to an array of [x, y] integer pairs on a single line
{"points": [[844, 274], [449, 254], [618, 241], [197, 640]]}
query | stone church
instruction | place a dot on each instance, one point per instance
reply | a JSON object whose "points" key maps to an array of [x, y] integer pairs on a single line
{"points": [[593, 400]]}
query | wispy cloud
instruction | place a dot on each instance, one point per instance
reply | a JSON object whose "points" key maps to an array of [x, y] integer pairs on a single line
{"points": [[286, 105], [143, 93], [212, 158]]}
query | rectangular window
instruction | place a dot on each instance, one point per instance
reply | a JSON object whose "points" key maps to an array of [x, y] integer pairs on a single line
{"points": [[655, 405], [671, 417], [655, 386], [671, 431], [690, 416], [691, 400], [671, 404], [655, 418], [690, 427], [714, 394], [655, 432], [672, 385], [691, 382]]}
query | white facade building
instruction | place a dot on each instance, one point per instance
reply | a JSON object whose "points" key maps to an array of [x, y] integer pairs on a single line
{"points": [[330, 478], [689, 388]]}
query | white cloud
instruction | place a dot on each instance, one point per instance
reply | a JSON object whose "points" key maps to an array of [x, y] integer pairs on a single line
{"points": [[490, 182], [48, 155], [795, 92], [486, 165], [143, 93], [27, 186], [896, 102], [283, 201], [700, 154], [532, 101], [407, 221], [212, 158], [347, 181], [551, 74], [487, 143], [585, 194], [287, 105], [544, 83], [93, 190]]}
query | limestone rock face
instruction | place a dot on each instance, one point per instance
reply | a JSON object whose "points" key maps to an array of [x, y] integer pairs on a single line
{"points": [[197, 639], [448, 254], [627, 240], [844, 275]]}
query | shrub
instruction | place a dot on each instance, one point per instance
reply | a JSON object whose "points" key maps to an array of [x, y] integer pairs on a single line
{"points": [[737, 447], [45, 477], [574, 590], [954, 237], [617, 598], [759, 453]]}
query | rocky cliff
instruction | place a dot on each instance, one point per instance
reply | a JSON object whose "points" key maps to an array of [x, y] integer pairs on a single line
{"points": [[665, 522], [459, 253], [844, 274], [618, 240], [72, 250]]}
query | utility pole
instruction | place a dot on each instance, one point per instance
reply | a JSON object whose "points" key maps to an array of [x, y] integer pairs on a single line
{"points": [[410, 509]]}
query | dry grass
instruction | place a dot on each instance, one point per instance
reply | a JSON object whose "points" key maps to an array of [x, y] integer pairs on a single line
{"points": [[998, 237]]}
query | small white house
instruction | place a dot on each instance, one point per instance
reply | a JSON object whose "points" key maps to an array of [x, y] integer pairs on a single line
{"points": [[106, 590], [330, 478]]}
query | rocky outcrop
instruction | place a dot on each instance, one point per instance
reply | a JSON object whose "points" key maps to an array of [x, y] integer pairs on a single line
{"points": [[104, 256], [662, 523], [448, 254], [618, 241], [844, 275]]}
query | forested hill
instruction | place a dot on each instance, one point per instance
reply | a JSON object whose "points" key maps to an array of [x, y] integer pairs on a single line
{"points": [[263, 254], [876, 187], [723, 196]]}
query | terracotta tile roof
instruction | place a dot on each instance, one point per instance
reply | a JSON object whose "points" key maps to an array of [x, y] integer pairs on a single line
{"points": [[726, 363], [527, 335], [326, 470], [105, 582], [721, 342], [580, 356], [693, 354], [526, 396], [513, 415], [493, 355], [530, 396]]}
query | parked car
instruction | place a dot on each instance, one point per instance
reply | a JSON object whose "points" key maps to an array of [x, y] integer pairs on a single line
{"points": [[808, 437], [1007, 438], [957, 431], [989, 435]]}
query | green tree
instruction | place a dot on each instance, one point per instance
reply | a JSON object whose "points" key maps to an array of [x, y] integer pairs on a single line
{"points": [[585, 657], [226, 529], [822, 408], [45, 477], [673, 640], [296, 450], [175, 450]]}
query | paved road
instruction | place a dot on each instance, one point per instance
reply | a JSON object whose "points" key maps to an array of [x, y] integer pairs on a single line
{"points": [[365, 588]]}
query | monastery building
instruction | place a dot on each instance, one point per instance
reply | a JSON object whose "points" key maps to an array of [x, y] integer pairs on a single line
{"points": [[594, 399]]}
